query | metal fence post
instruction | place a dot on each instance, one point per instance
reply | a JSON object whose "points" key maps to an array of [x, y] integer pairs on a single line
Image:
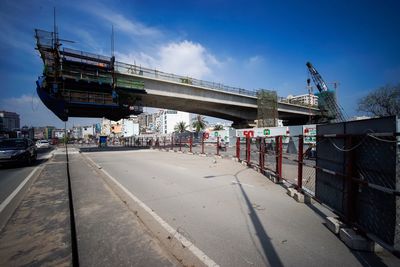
{"points": [[300, 163], [238, 148], [180, 143], [202, 144], [248, 159], [217, 145], [172, 143], [278, 141], [262, 154], [351, 188], [164, 141], [190, 143]]}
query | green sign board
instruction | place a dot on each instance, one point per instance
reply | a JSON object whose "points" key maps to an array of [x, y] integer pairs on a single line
{"points": [[267, 132]]}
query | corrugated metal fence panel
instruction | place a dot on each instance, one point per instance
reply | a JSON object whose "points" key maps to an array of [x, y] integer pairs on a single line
{"points": [[376, 161], [329, 188]]}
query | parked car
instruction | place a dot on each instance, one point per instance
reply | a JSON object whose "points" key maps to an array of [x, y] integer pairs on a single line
{"points": [[17, 150], [42, 144]]}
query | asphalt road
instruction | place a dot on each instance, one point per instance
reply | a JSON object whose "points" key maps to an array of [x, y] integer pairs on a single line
{"points": [[12, 176], [230, 212]]}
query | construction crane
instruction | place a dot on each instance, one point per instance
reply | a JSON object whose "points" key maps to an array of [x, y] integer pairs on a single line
{"points": [[326, 98]]}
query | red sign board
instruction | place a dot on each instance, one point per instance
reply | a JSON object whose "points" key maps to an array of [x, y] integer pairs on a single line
{"points": [[248, 133]]}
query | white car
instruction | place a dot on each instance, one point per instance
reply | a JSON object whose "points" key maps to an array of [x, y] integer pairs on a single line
{"points": [[42, 144]]}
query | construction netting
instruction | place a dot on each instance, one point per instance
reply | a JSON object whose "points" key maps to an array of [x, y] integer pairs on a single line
{"points": [[327, 103], [267, 108]]}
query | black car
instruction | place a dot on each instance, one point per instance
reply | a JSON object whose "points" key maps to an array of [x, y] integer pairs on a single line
{"points": [[17, 150]]}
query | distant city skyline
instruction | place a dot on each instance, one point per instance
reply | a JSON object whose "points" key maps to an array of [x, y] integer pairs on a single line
{"points": [[262, 44]]}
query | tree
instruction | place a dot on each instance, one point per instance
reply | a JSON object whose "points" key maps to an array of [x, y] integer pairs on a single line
{"points": [[199, 123], [384, 101], [218, 127], [180, 127]]}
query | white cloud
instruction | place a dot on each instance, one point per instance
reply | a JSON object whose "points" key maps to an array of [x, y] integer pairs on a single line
{"points": [[254, 61], [86, 38], [33, 112], [16, 39], [122, 23], [186, 58], [140, 59], [183, 58], [30, 108]]}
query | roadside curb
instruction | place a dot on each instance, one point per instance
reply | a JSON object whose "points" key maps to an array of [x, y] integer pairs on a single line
{"points": [[184, 250], [11, 203]]}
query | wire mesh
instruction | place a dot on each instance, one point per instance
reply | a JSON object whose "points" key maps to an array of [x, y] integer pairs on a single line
{"points": [[290, 160], [255, 151], [270, 154], [44, 38], [243, 155]]}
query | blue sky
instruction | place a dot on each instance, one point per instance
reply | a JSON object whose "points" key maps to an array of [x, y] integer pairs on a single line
{"points": [[248, 44]]}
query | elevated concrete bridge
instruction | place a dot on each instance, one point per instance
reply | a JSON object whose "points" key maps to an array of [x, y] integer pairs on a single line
{"points": [[80, 84], [186, 94]]}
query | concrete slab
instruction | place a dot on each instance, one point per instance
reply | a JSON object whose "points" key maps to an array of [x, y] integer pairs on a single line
{"points": [[299, 197], [334, 224], [356, 241], [38, 233], [290, 191]]}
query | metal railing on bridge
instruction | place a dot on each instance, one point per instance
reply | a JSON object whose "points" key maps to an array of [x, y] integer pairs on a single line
{"points": [[129, 69]]}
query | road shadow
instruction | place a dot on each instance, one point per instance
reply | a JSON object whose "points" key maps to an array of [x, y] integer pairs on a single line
{"points": [[265, 241]]}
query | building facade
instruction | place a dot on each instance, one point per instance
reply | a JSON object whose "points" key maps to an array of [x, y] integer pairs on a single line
{"points": [[147, 122], [88, 132], [58, 133], [9, 121], [306, 99], [168, 119]]}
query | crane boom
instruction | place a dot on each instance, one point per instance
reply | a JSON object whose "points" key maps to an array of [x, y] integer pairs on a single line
{"points": [[326, 101], [317, 79]]}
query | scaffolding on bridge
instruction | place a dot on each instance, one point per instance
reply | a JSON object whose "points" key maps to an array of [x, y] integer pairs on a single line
{"points": [[267, 108]]}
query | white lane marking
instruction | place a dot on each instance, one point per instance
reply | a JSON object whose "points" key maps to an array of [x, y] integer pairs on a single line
{"points": [[7, 201], [189, 245], [235, 182]]}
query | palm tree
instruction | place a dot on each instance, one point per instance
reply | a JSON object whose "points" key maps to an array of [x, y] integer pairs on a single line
{"points": [[218, 127], [199, 124], [180, 127]]}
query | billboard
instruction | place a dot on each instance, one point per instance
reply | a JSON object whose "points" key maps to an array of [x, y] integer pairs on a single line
{"points": [[262, 132], [309, 133]]}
